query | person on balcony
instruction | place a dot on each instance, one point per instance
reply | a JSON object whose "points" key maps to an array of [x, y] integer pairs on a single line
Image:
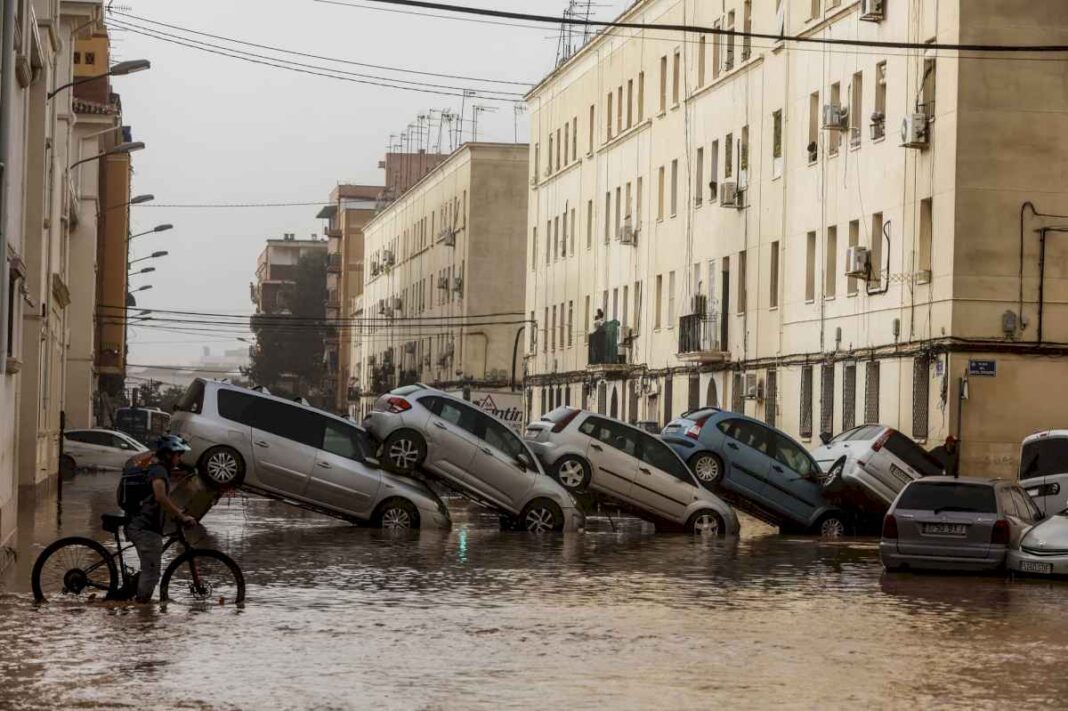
{"points": [[598, 321]]}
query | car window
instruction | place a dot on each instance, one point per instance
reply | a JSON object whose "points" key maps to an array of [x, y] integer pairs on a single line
{"points": [[193, 399], [748, 433], [912, 454], [102, 439], [657, 454], [501, 438], [1007, 503], [613, 434], [1044, 457], [948, 496], [236, 406], [464, 417], [431, 402], [793, 455], [117, 442], [288, 421], [78, 436], [342, 440], [1028, 510]]}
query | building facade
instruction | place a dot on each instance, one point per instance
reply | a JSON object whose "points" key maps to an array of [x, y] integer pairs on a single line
{"points": [[443, 296], [818, 236], [276, 270]]}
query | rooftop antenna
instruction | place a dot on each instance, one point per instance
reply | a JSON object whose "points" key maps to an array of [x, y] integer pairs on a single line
{"points": [[463, 106], [477, 109], [517, 110]]}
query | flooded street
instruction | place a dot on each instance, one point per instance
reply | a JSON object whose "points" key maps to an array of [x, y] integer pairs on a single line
{"points": [[341, 617]]}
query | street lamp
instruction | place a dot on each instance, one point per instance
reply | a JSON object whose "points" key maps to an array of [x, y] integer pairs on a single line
{"points": [[145, 270], [140, 199], [120, 69], [146, 287], [157, 228], [129, 147], [154, 255]]}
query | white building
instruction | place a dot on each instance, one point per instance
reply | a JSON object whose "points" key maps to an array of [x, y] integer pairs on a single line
{"points": [[708, 192]]}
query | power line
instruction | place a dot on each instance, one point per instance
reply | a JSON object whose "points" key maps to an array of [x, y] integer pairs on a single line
{"points": [[322, 57], [497, 314], [226, 205], [427, 14]]}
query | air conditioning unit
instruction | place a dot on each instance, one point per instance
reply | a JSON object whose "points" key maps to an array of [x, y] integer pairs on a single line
{"points": [[627, 234], [728, 195], [754, 387], [448, 237], [872, 10], [914, 131], [388, 258], [858, 262], [835, 117], [443, 282], [458, 285]]}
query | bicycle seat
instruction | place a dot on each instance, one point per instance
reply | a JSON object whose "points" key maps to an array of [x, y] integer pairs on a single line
{"points": [[113, 521]]}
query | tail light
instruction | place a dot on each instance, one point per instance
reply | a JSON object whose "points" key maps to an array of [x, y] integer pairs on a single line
{"points": [[397, 405], [890, 527], [1000, 535], [695, 429], [565, 421], [878, 444]]}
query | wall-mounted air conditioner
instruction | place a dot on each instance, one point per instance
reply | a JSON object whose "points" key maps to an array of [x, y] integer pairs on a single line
{"points": [[458, 284], [728, 195], [754, 387], [627, 233], [835, 117], [872, 10], [858, 262], [388, 258], [914, 132]]}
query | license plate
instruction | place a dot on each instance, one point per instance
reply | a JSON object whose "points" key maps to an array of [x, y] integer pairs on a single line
{"points": [[945, 529], [1030, 566]]}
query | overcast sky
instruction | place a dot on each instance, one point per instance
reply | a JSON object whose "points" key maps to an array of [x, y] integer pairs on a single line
{"points": [[222, 130]]}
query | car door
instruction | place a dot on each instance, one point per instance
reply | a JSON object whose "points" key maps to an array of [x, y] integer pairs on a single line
{"points": [[342, 479], [792, 486], [76, 444], [285, 441], [451, 439], [497, 464], [99, 451], [663, 485], [745, 456], [1027, 515], [1044, 473], [612, 450]]}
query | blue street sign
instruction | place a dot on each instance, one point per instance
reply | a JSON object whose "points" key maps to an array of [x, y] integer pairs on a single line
{"points": [[983, 367]]}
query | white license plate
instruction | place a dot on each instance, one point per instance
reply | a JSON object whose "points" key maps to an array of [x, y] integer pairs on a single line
{"points": [[1030, 566], [945, 529]]}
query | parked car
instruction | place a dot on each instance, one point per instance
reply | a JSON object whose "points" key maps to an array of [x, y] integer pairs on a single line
{"points": [[422, 429], [1044, 548], [1044, 469], [585, 451], [965, 524], [868, 466], [97, 449], [284, 449], [759, 470], [145, 424]]}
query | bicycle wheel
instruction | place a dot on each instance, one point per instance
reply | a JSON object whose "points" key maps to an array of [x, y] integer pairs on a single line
{"points": [[202, 576], [74, 569]]}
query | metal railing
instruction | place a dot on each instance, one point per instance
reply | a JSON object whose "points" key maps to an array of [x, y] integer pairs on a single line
{"points": [[698, 333], [603, 346]]}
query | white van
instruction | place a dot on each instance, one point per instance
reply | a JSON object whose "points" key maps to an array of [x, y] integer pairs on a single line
{"points": [[1044, 470]]}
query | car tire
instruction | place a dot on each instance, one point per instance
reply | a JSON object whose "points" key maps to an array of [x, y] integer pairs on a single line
{"points": [[222, 468], [707, 467], [67, 466], [396, 515], [403, 451], [832, 480], [832, 525], [541, 516], [573, 473], [706, 522]]}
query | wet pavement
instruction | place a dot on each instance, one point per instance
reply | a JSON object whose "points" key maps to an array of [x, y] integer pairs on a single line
{"points": [[342, 617]]}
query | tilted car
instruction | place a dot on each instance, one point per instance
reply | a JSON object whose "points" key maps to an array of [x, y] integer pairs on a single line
{"points": [[1044, 547], [423, 429], [249, 438], [585, 451], [759, 470], [97, 449], [951, 524], [1044, 469], [868, 466]]}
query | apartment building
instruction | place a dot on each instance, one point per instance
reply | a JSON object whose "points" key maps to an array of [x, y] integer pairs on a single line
{"points": [[443, 292], [818, 236], [276, 270]]}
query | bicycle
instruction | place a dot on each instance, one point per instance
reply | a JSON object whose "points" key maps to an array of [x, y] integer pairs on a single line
{"points": [[79, 568]]}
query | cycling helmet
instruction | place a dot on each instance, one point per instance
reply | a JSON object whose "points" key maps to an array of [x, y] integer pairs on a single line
{"points": [[171, 444]]}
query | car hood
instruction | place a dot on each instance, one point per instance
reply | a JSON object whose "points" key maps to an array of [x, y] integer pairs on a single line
{"points": [[1051, 534]]}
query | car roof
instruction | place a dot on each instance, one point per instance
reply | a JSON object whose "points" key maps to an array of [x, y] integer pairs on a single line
{"points": [[96, 429], [1045, 434], [426, 389], [962, 480], [220, 385]]}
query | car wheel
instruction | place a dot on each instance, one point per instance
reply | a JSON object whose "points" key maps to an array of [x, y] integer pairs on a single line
{"points": [[396, 515], [67, 466], [833, 525], [706, 523], [833, 477], [222, 468], [573, 473], [403, 451], [707, 467], [541, 516]]}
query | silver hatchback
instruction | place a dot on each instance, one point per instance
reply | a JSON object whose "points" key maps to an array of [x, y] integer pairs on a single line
{"points": [[287, 450], [422, 429], [586, 451]]}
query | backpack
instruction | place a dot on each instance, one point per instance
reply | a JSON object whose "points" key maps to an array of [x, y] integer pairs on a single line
{"points": [[134, 488]]}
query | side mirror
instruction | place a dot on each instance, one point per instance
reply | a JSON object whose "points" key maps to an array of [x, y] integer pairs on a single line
{"points": [[523, 460], [825, 437]]}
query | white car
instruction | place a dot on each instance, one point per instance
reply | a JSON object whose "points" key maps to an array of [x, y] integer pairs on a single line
{"points": [[1044, 547], [1044, 469], [97, 449]]}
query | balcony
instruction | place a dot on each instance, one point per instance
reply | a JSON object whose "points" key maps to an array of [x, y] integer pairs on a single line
{"points": [[333, 301], [602, 352], [699, 336], [333, 263], [332, 233]]}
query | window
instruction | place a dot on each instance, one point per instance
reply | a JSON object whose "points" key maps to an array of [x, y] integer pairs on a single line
{"points": [[533, 333], [926, 237], [637, 305], [796, 458], [747, 27], [776, 144], [619, 208], [193, 399], [771, 398], [586, 328], [835, 136], [830, 276], [878, 119], [748, 433], [659, 456], [548, 241], [90, 57], [574, 138], [814, 10], [1043, 457], [630, 103], [805, 428], [593, 123], [871, 393], [534, 249], [671, 299], [675, 68], [619, 110], [344, 441], [827, 398], [729, 61], [659, 299], [877, 250], [638, 206], [810, 267], [537, 163], [627, 214], [934, 496], [556, 238], [812, 150], [728, 156], [236, 406], [626, 301], [743, 153], [572, 232], [921, 390], [567, 142], [563, 326], [287, 421], [701, 48], [713, 174], [856, 108], [500, 437], [608, 116], [614, 434], [607, 216], [660, 194], [552, 333], [717, 50], [563, 236], [741, 281], [927, 90], [615, 304], [77, 57], [549, 168], [570, 321], [589, 224], [773, 282], [545, 329], [854, 240], [699, 193], [663, 84], [849, 396], [674, 187], [641, 96]]}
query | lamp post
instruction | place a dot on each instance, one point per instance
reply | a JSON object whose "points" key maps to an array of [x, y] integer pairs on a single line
{"points": [[154, 255], [128, 147], [157, 228], [120, 69], [138, 200], [145, 270]]}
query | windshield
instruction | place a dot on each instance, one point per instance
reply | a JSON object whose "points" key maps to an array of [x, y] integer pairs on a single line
{"points": [[864, 432], [949, 496], [1044, 457]]}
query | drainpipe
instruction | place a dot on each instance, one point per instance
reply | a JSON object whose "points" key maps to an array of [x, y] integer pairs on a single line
{"points": [[7, 83], [515, 353]]}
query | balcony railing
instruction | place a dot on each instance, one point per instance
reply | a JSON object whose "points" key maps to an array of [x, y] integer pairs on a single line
{"points": [[699, 335], [603, 346], [333, 262]]}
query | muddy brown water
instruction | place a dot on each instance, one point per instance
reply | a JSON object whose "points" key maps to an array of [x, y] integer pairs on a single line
{"points": [[341, 617]]}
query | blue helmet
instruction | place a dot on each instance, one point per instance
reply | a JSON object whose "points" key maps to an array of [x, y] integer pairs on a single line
{"points": [[171, 444]]}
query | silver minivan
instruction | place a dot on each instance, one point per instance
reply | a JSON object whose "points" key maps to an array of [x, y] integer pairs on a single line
{"points": [[288, 450], [1044, 469]]}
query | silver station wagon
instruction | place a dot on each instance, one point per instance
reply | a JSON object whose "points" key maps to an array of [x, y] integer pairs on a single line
{"points": [[283, 449]]}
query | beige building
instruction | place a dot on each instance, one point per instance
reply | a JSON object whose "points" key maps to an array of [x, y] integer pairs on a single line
{"points": [[443, 295], [816, 235]]}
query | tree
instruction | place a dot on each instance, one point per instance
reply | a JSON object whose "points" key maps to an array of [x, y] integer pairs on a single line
{"points": [[288, 356]]}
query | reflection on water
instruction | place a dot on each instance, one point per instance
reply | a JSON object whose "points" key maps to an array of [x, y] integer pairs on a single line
{"points": [[342, 617]]}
